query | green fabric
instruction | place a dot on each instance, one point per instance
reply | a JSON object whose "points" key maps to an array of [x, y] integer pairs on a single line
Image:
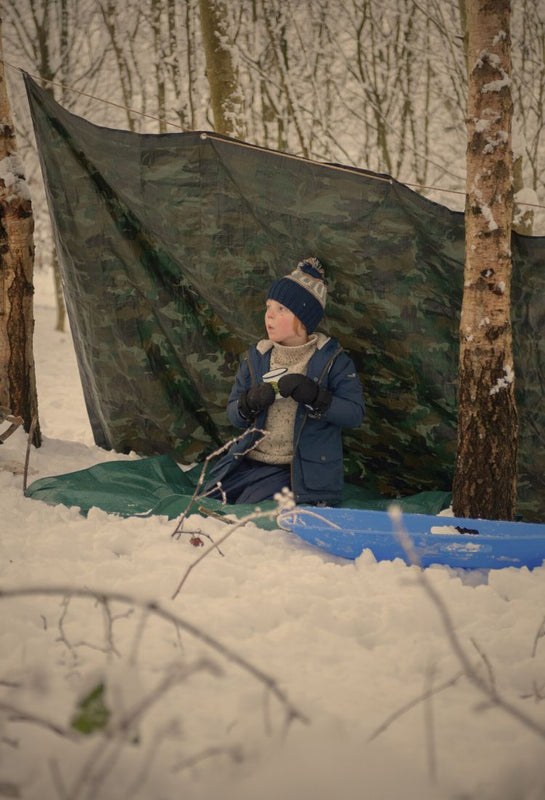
{"points": [[158, 486], [167, 243]]}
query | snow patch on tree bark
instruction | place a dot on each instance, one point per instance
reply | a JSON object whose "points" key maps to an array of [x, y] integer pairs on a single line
{"points": [[12, 173], [505, 381]]}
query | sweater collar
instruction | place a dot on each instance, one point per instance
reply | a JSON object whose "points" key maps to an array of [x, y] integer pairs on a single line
{"points": [[264, 345]]}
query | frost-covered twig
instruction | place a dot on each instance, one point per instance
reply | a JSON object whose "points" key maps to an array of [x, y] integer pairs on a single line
{"points": [[154, 608], [177, 532], [105, 755], [487, 688], [284, 500], [234, 753], [539, 635], [429, 726], [413, 703], [17, 714], [30, 439], [486, 662], [145, 762], [108, 648]]}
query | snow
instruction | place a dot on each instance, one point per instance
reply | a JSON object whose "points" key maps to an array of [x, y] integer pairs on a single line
{"points": [[505, 381], [502, 138], [356, 652], [11, 172], [526, 196]]}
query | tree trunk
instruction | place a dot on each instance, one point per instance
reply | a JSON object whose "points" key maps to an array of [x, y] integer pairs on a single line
{"points": [[158, 61], [225, 97], [485, 479], [17, 376]]}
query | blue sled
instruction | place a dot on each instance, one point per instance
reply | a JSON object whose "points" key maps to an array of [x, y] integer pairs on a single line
{"points": [[455, 541]]}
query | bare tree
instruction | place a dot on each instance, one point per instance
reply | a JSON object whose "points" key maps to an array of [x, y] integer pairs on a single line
{"points": [[225, 95], [51, 37], [485, 479], [17, 375]]}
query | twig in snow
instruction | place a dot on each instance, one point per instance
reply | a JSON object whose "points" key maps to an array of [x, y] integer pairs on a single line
{"points": [[60, 624], [108, 625], [56, 777], [152, 607], [104, 756], [28, 446], [412, 704], [178, 529], [72, 646], [539, 635], [489, 691], [429, 727], [215, 545], [537, 693], [195, 533], [19, 715], [234, 753], [285, 501], [488, 665], [146, 761]]}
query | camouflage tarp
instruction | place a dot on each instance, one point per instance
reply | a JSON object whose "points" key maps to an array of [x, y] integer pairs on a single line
{"points": [[167, 243]]}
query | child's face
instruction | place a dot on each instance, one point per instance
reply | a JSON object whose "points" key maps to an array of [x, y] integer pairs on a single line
{"points": [[282, 325]]}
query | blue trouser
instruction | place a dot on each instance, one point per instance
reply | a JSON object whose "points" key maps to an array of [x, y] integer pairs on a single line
{"points": [[253, 481]]}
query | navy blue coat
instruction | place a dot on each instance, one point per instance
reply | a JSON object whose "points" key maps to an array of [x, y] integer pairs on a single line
{"points": [[317, 466]]}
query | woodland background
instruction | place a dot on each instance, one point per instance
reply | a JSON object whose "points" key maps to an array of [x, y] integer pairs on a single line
{"points": [[383, 693], [377, 85]]}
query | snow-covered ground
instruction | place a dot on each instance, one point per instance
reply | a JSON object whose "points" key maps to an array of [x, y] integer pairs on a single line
{"points": [[347, 685]]}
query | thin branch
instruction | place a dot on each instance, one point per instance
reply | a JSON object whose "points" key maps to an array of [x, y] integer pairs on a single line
{"points": [[19, 715], [539, 635], [152, 607], [234, 753], [488, 665], [215, 546], [413, 703], [178, 529], [429, 725], [489, 691], [30, 438]]}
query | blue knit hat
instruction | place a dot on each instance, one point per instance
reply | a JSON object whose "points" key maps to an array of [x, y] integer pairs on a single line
{"points": [[303, 291]]}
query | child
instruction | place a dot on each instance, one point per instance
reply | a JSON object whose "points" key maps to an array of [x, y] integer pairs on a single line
{"points": [[318, 393]]}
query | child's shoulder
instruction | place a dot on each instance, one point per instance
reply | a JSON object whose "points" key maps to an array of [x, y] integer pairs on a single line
{"points": [[262, 347]]}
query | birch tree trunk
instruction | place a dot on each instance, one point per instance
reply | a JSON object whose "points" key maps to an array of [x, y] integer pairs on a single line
{"points": [[17, 375], [225, 96], [485, 479]]}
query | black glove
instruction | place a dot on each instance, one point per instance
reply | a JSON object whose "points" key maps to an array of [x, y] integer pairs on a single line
{"points": [[305, 391], [254, 400]]}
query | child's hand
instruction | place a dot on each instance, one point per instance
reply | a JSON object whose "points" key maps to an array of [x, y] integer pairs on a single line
{"points": [[256, 399], [305, 391], [302, 389]]}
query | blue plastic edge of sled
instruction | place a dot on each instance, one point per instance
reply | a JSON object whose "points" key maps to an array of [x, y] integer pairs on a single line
{"points": [[454, 541]]}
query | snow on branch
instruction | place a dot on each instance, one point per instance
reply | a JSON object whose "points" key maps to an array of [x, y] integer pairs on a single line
{"points": [[483, 683]]}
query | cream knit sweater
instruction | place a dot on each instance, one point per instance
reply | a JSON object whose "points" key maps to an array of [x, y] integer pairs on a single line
{"points": [[277, 446]]}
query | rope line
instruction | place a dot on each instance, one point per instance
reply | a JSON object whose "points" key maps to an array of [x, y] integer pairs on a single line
{"points": [[239, 143], [91, 96]]}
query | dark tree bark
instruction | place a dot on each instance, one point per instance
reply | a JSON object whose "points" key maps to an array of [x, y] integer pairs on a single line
{"points": [[17, 375]]}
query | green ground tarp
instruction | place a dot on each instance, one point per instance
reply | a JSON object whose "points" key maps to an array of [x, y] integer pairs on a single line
{"points": [[167, 243], [157, 486]]}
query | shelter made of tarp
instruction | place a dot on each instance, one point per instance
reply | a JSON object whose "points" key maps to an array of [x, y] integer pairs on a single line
{"points": [[167, 244]]}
